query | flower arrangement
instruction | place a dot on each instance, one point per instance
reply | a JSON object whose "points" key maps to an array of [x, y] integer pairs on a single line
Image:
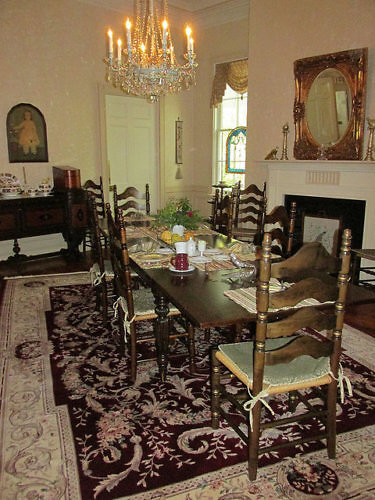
{"points": [[178, 212]]}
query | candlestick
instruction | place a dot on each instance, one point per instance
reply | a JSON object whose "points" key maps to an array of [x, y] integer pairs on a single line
{"points": [[24, 175], [371, 126], [284, 154]]}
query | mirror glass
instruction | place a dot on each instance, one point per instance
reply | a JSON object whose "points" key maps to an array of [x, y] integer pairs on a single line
{"points": [[328, 107]]}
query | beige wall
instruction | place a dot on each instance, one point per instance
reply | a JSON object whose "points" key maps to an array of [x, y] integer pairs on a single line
{"points": [[51, 56], [226, 42], [283, 31]]}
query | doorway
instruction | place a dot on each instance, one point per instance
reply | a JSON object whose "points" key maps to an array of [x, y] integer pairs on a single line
{"points": [[132, 144]]}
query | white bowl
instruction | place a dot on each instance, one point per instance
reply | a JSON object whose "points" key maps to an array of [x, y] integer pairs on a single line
{"points": [[32, 191], [11, 190], [45, 188]]}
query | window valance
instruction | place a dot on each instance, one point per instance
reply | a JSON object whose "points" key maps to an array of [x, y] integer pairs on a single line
{"points": [[232, 73]]}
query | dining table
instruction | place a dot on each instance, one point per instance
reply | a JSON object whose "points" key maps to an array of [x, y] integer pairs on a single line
{"points": [[210, 294]]}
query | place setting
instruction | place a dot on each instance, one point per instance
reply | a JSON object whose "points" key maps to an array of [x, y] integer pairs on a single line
{"points": [[179, 263]]}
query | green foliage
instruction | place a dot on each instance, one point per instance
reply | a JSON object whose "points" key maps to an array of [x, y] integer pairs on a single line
{"points": [[178, 212]]}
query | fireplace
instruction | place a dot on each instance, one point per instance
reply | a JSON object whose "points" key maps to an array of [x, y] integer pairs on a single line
{"points": [[331, 188], [339, 213]]}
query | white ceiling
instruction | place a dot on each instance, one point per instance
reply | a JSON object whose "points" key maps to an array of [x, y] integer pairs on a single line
{"points": [[196, 5], [207, 12]]}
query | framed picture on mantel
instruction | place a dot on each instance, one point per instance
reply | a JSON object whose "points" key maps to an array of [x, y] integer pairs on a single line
{"points": [[27, 134], [326, 230]]}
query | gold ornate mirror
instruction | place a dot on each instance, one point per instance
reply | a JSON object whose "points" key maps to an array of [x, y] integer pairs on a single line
{"points": [[329, 106]]}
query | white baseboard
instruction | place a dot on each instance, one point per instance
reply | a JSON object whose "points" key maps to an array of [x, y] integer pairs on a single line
{"points": [[35, 245]]}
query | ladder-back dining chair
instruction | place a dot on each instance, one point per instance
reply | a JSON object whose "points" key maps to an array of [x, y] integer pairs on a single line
{"points": [[288, 357], [101, 270], [137, 305], [221, 214], [131, 201], [248, 211], [95, 191], [312, 259], [280, 225]]}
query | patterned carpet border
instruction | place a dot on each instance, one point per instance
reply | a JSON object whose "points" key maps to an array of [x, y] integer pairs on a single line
{"points": [[37, 450]]}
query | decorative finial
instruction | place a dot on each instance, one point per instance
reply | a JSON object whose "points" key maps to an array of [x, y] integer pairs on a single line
{"points": [[371, 126], [284, 154]]}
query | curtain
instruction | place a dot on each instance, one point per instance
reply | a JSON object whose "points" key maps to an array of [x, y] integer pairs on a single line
{"points": [[232, 73]]}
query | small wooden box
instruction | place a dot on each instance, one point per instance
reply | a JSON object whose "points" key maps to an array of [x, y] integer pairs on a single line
{"points": [[66, 178]]}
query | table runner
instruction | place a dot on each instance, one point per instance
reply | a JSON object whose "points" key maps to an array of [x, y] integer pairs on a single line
{"points": [[141, 259], [215, 265], [246, 297]]}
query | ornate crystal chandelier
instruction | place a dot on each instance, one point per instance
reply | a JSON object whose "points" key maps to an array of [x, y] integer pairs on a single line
{"points": [[147, 65]]}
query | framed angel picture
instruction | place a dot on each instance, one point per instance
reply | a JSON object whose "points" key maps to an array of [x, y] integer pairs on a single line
{"points": [[27, 134]]}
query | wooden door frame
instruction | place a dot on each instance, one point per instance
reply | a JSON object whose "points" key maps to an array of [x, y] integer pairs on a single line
{"points": [[103, 91]]}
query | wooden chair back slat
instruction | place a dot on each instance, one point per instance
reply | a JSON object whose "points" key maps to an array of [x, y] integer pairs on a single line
{"points": [[120, 259], [322, 290], [283, 234], [247, 212], [132, 201], [294, 357], [96, 190], [311, 259], [244, 203], [221, 213], [98, 257]]}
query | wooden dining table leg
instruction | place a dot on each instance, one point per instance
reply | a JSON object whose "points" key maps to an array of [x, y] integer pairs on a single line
{"points": [[162, 334]]}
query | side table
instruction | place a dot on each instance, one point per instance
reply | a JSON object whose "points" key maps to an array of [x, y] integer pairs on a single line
{"points": [[367, 270]]}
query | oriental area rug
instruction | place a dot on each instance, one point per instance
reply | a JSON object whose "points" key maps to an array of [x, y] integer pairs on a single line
{"points": [[74, 427]]}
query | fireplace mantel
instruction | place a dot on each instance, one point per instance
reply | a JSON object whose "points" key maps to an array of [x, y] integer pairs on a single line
{"points": [[328, 179]]}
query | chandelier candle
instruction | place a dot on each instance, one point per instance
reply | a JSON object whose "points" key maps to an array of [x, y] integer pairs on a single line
{"points": [[147, 65], [119, 43], [165, 26], [110, 45]]}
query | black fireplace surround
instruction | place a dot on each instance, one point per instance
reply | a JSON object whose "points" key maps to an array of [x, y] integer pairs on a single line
{"points": [[352, 213]]}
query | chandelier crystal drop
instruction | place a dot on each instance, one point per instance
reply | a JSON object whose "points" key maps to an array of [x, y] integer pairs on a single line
{"points": [[146, 64]]}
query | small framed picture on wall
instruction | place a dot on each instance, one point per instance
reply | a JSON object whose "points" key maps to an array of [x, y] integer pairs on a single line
{"points": [[26, 134], [179, 142]]}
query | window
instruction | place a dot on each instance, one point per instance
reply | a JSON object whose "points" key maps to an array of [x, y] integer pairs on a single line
{"points": [[229, 114]]}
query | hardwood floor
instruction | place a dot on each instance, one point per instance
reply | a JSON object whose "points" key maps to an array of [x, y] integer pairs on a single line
{"points": [[42, 265], [358, 316]]}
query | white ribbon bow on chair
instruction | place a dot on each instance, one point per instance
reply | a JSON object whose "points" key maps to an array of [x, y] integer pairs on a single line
{"points": [[122, 302], [341, 378], [249, 405]]}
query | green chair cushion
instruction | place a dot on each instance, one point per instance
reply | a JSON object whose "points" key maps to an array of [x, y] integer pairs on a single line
{"points": [[144, 302], [301, 369]]}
